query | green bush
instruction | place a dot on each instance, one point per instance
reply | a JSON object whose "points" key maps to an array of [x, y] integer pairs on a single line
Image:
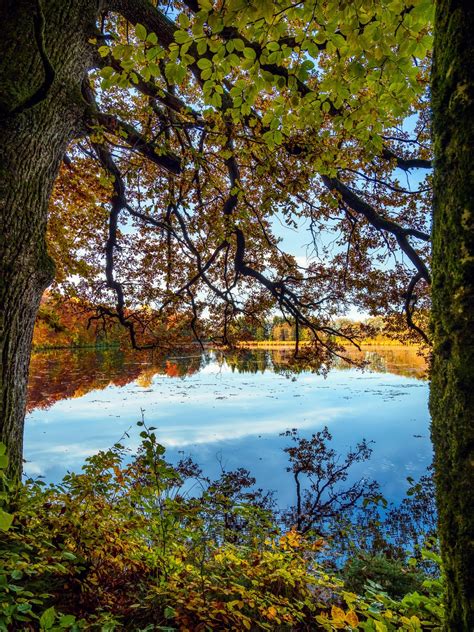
{"points": [[396, 578]]}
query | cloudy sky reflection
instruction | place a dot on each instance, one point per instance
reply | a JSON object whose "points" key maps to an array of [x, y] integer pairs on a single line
{"points": [[231, 419]]}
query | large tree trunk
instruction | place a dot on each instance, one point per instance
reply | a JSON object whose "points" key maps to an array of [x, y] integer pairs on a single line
{"points": [[452, 386], [44, 54]]}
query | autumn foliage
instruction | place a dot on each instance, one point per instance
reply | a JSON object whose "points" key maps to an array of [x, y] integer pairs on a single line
{"points": [[126, 545], [73, 322]]}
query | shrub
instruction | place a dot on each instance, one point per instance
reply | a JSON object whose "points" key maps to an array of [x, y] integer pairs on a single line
{"points": [[123, 546]]}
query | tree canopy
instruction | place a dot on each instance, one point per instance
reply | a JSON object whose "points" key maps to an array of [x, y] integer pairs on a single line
{"points": [[209, 124]]}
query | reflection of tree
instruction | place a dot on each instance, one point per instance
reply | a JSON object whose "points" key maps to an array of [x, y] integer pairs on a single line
{"points": [[63, 374], [246, 360], [57, 375], [405, 361]]}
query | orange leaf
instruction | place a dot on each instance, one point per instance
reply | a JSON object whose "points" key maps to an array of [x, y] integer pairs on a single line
{"points": [[338, 613], [271, 612], [352, 619]]}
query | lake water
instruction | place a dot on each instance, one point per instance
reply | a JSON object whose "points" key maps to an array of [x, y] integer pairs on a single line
{"points": [[228, 411]]}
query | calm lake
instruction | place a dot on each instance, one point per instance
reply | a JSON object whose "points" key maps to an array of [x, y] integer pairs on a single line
{"points": [[227, 411]]}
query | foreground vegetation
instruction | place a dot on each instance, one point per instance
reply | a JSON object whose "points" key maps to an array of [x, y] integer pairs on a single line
{"points": [[134, 543]]}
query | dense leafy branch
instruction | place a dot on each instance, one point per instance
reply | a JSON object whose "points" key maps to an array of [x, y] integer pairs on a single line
{"points": [[219, 207]]}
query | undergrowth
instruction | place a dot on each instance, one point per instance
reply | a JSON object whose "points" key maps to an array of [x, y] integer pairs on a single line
{"points": [[134, 543]]}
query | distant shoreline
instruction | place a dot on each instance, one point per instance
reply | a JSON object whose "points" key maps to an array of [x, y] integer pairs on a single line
{"points": [[73, 347], [254, 344], [290, 344]]}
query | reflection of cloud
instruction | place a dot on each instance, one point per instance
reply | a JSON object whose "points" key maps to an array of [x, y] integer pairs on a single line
{"points": [[44, 458], [238, 414], [183, 435], [76, 449], [213, 369]]}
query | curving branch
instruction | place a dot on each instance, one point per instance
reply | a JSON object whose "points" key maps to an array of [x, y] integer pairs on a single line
{"points": [[382, 183], [118, 203], [136, 141], [401, 234], [410, 302]]}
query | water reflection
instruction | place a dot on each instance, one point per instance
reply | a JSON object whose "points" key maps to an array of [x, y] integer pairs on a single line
{"points": [[227, 410], [62, 374]]}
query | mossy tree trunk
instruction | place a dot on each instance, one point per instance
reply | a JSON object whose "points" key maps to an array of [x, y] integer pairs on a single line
{"points": [[452, 386], [44, 55]]}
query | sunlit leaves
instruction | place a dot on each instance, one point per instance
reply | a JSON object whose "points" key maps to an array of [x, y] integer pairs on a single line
{"points": [[290, 92], [360, 55], [140, 32]]}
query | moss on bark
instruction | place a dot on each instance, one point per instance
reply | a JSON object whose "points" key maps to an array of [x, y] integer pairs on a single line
{"points": [[452, 387]]}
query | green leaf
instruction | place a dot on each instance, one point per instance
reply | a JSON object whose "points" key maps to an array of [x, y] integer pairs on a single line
{"points": [[170, 72], [3, 461], [104, 51], [140, 32], [47, 618], [107, 72], [204, 63], [249, 53], [6, 520], [3, 448], [67, 620], [154, 69], [278, 137], [202, 47], [183, 20], [182, 37], [169, 613]]}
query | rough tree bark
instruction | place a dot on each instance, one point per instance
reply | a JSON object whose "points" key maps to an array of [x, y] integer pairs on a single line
{"points": [[452, 386], [44, 55]]}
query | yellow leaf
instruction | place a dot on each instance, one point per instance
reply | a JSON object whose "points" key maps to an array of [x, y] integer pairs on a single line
{"points": [[338, 613], [352, 619], [271, 612]]}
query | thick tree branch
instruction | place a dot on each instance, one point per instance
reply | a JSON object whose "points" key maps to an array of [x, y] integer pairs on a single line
{"points": [[406, 163], [137, 142], [381, 223]]}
